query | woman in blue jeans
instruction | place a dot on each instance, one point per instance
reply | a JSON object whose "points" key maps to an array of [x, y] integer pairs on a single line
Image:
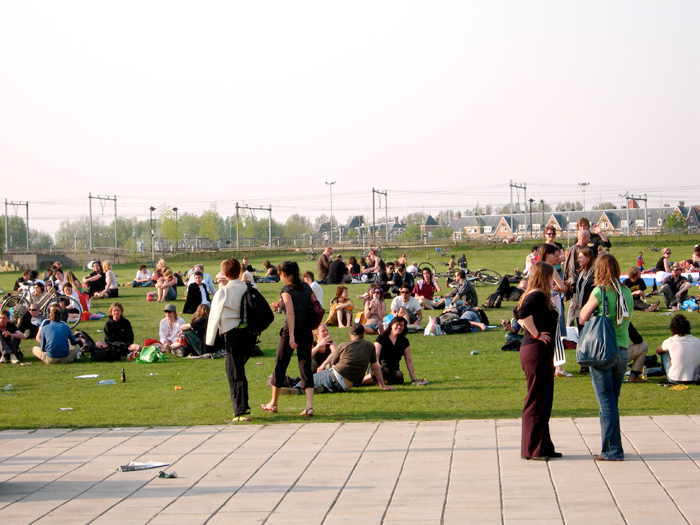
{"points": [[607, 379]]}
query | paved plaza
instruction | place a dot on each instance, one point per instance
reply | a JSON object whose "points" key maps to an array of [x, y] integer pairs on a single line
{"points": [[466, 471]]}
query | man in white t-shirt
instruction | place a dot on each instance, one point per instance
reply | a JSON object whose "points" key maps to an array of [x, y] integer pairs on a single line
{"points": [[413, 269], [407, 306], [680, 354], [315, 287]]}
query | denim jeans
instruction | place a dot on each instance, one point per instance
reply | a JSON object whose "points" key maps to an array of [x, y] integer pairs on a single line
{"points": [[327, 379], [137, 284], [607, 382]]}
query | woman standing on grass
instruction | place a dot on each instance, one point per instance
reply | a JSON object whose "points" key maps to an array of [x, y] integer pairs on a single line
{"points": [[549, 253], [224, 320], [536, 314], [295, 335], [607, 379]]}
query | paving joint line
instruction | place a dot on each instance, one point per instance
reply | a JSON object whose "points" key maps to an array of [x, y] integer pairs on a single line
{"points": [[398, 478], [500, 477], [449, 471]]}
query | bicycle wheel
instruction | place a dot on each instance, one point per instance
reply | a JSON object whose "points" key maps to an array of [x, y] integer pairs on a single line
{"points": [[486, 276], [427, 265], [17, 306], [72, 311]]}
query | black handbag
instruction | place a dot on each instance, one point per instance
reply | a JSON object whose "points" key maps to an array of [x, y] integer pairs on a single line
{"points": [[597, 343]]}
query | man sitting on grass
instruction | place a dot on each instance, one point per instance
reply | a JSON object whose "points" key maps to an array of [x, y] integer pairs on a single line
{"points": [[408, 307], [675, 288], [680, 354], [349, 362], [56, 338]]}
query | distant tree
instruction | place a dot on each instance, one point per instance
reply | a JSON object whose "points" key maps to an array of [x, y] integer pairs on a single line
{"points": [[189, 224], [442, 233], [505, 210], [412, 234], [77, 233], [16, 231], [39, 240], [418, 218], [569, 206], [675, 221], [168, 227], [211, 225], [296, 226], [604, 206], [445, 217]]}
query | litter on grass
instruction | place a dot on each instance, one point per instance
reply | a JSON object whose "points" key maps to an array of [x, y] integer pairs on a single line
{"points": [[133, 466], [87, 376], [6, 388], [65, 409]]}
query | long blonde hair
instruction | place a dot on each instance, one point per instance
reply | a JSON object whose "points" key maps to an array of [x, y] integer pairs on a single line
{"points": [[538, 280], [607, 270], [201, 311]]}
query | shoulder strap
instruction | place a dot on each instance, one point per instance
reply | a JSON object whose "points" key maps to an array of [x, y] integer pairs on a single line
{"points": [[603, 304]]}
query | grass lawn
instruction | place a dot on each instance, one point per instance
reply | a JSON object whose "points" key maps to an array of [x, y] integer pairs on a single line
{"points": [[487, 385]]}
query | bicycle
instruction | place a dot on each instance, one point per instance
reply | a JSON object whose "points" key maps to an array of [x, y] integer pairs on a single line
{"points": [[481, 276], [18, 305]]}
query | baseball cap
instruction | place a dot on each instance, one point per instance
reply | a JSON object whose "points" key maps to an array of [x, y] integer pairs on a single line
{"points": [[170, 308], [357, 329]]}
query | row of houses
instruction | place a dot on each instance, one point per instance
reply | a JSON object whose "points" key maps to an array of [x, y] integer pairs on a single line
{"points": [[612, 222], [526, 225]]}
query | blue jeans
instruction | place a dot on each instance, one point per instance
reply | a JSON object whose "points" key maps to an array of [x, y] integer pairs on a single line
{"points": [[607, 382], [137, 284], [327, 379]]}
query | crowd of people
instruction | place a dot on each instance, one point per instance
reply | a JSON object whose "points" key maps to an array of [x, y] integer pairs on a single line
{"points": [[398, 296]]}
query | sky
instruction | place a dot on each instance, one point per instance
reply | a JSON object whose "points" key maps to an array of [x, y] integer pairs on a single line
{"points": [[440, 104]]}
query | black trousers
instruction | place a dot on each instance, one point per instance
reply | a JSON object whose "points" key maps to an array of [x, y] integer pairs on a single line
{"points": [[537, 360], [304, 340], [239, 348]]}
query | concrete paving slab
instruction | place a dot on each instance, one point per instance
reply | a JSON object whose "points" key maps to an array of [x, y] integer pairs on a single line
{"points": [[466, 471]]}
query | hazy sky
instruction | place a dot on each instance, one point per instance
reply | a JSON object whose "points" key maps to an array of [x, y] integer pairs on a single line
{"points": [[439, 103]]}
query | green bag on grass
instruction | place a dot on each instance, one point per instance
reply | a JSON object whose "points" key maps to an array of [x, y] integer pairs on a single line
{"points": [[150, 354]]}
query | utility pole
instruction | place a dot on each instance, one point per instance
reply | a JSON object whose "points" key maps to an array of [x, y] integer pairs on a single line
{"points": [[26, 204], [90, 197], [627, 205], [177, 229], [153, 234], [269, 222], [386, 210], [531, 201], [522, 186], [646, 216], [330, 187], [583, 187]]}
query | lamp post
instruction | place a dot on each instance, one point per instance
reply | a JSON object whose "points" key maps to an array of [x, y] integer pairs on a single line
{"points": [[583, 187], [177, 229], [153, 233], [330, 187], [531, 233]]}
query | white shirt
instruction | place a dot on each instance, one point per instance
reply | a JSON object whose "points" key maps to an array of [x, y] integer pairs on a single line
{"points": [[412, 269], [167, 333], [413, 305], [318, 291], [146, 274], [225, 311], [684, 351]]}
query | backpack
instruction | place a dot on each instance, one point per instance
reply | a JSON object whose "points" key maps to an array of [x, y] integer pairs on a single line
{"points": [[256, 314], [85, 342], [493, 301], [482, 315]]}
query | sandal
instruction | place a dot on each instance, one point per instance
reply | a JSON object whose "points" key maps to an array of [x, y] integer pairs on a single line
{"points": [[308, 412], [271, 409], [241, 418]]}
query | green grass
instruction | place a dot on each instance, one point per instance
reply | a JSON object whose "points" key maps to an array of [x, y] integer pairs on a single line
{"points": [[487, 385]]}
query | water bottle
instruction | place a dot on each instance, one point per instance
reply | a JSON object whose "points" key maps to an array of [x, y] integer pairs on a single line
{"points": [[7, 388], [107, 382]]}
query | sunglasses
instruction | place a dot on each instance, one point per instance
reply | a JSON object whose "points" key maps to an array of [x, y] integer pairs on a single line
{"points": [[33, 309], [168, 312]]}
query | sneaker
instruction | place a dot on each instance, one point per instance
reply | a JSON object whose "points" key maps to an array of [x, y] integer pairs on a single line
{"points": [[13, 359], [3, 359]]}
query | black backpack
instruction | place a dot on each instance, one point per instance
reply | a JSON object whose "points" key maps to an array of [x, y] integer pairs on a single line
{"points": [[256, 314], [493, 301]]}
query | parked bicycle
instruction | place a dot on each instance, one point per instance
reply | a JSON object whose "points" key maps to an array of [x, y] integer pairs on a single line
{"points": [[18, 305], [480, 276]]}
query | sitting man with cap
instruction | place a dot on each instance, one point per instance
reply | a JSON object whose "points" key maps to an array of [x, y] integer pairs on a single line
{"points": [[349, 364], [675, 288]]}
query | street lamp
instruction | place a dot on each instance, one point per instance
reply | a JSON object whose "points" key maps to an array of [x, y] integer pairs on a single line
{"points": [[177, 230], [153, 233], [330, 186], [583, 187]]}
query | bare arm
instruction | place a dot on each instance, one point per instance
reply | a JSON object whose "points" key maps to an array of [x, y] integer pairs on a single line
{"points": [[409, 363], [289, 309], [529, 324], [380, 378]]}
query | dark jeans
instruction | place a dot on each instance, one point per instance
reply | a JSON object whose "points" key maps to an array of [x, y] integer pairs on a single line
{"points": [[284, 356], [607, 382], [239, 347]]}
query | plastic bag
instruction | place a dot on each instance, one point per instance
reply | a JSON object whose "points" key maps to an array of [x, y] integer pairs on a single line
{"points": [[150, 354]]}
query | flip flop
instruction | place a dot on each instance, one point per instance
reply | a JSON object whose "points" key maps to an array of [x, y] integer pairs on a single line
{"points": [[271, 410], [308, 412]]}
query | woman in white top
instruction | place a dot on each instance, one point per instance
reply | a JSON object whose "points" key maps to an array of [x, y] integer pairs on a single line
{"points": [[111, 286], [169, 329]]}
